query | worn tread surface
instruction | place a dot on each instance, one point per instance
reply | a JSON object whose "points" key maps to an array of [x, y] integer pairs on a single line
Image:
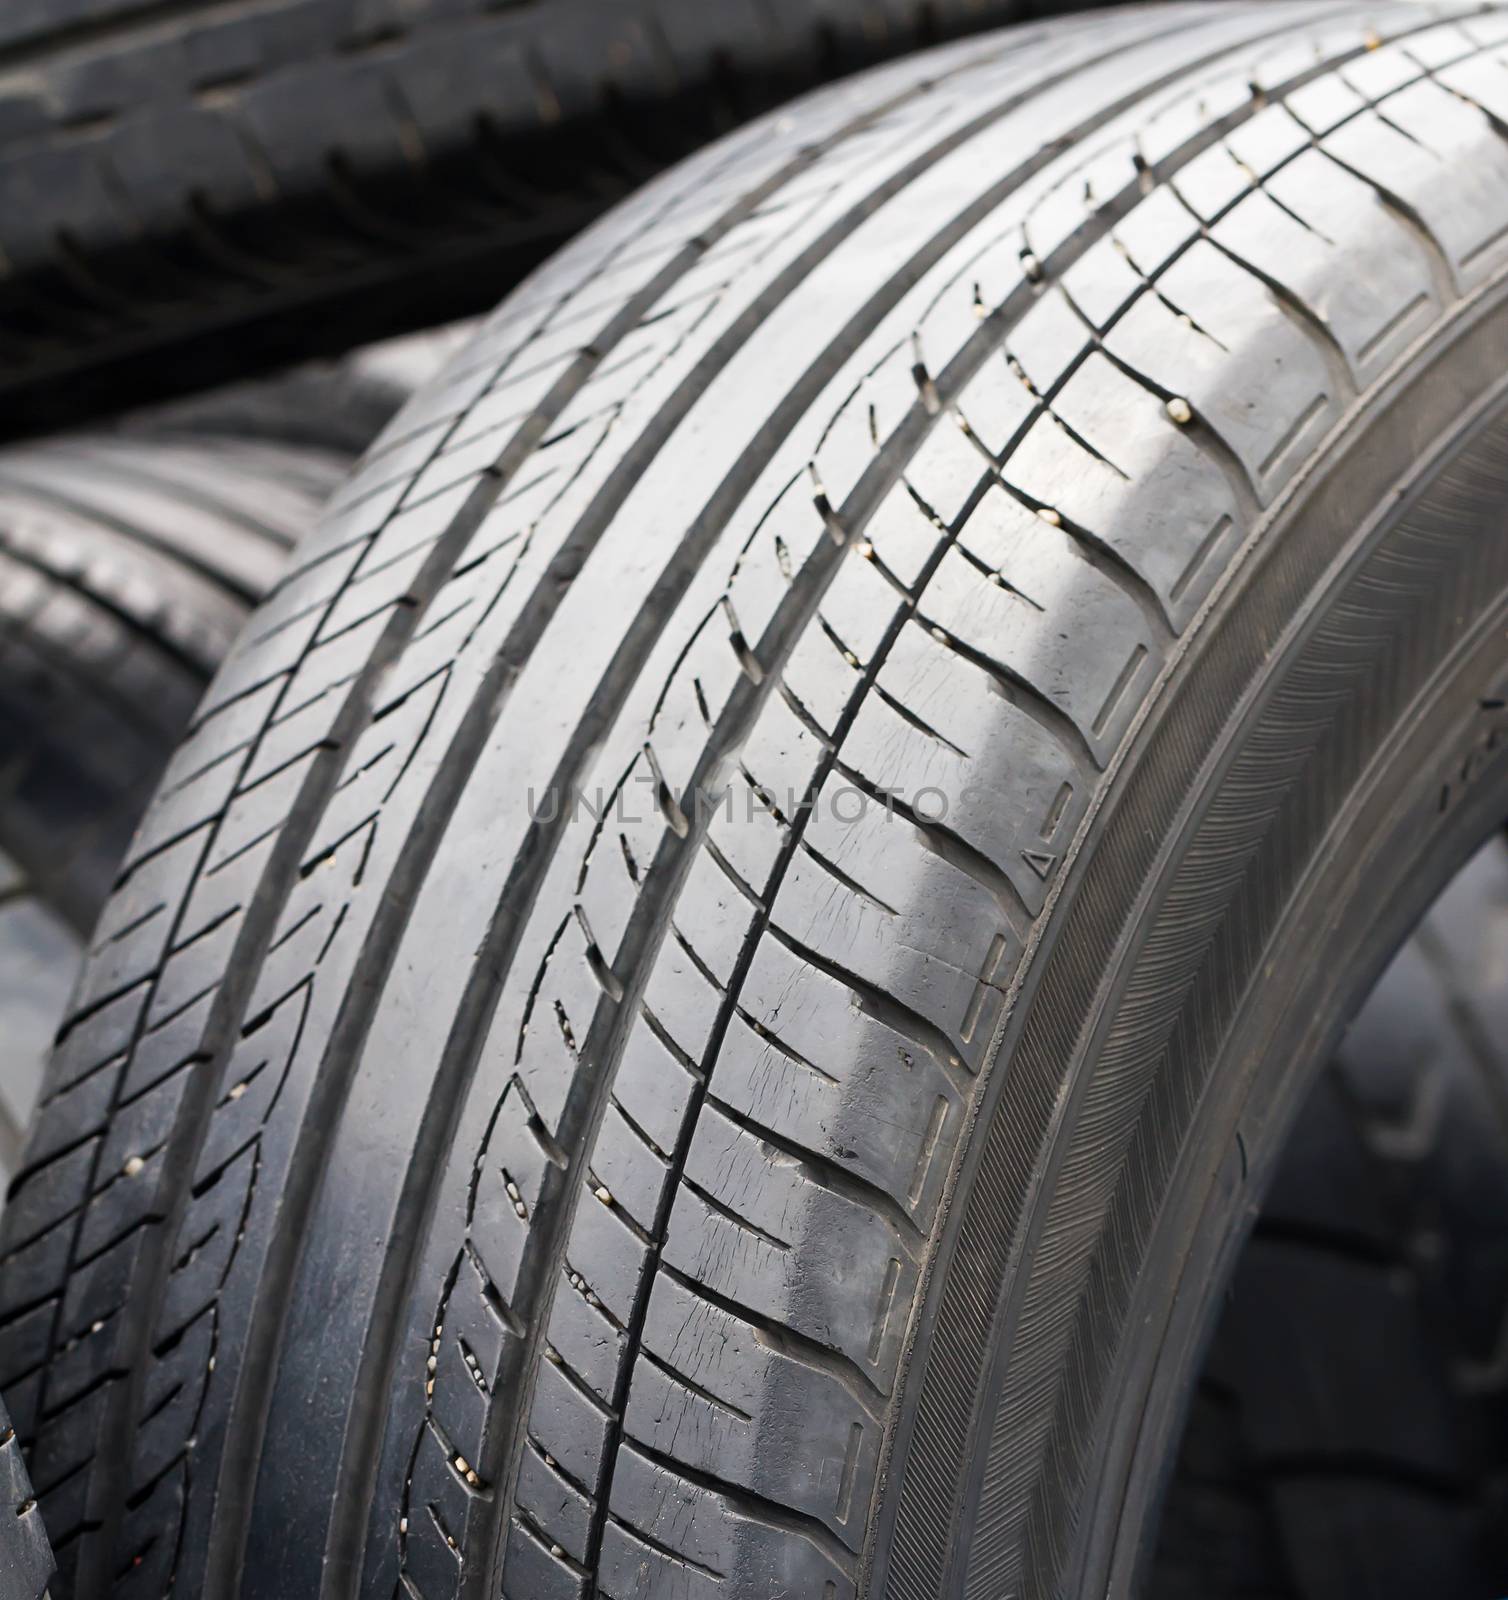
{"points": [[240, 181], [447, 1189]]}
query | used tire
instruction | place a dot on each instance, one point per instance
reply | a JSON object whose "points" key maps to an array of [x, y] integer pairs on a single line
{"points": [[191, 192], [707, 1002]]}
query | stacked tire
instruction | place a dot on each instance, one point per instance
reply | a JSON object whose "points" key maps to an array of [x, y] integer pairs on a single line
{"points": [[195, 194]]}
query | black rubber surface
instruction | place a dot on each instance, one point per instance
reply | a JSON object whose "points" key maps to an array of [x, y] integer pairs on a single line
{"points": [[340, 405], [447, 1189], [191, 190], [128, 562]]}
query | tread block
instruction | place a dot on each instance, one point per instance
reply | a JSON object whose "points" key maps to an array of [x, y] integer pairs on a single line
{"points": [[668, 1532], [1257, 378], [936, 737], [28, 1559], [512, 1171], [551, 1501], [817, 1453], [745, 1208], [1400, 149], [841, 900], [569, 1425]]}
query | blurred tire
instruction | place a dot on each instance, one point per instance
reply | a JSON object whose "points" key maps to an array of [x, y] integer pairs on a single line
{"points": [[188, 194]]}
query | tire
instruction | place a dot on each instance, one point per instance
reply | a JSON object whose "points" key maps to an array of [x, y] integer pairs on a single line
{"points": [[193, 194], [130, 568], [1347, 1438], [452, 1189], [127, 565]]}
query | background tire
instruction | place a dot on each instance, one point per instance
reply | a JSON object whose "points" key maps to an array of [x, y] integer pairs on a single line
{"points": [[1349, 1437], [445, 1186], [191, 196], [339, 405]]}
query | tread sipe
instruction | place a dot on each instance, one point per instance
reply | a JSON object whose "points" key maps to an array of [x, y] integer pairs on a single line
{"points": [[525, 1129]]}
